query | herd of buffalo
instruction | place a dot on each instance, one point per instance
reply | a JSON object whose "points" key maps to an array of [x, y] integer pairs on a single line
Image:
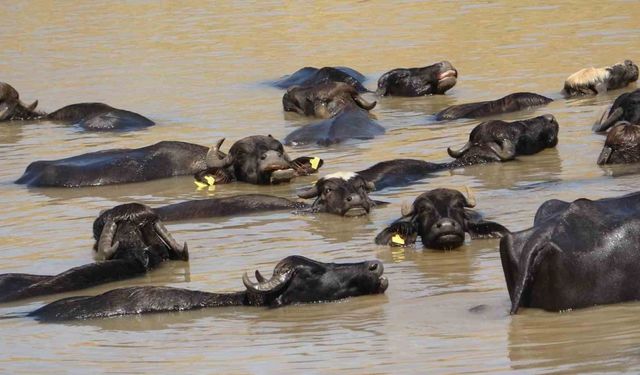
{"points": [[577, 254]]}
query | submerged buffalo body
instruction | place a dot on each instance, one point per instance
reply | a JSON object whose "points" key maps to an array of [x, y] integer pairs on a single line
{"points": [[130, 240], [441, 218], [626, 107], [295, 280], [89, 116], [324, 100], [505, 140], [622, 145], [355, 123], [309, 76], [577, 254], [591, 81], [116, 166], [429, 80], [510, 103]]}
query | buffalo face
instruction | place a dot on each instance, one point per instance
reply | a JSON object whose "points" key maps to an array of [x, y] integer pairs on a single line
{"points": [[440, 217], [298, 279], [324, 100], [622, 145], [501, 141], [591, 81], [256, 159], [430, 80], [134, 230], [12, 108], [344, 193]]}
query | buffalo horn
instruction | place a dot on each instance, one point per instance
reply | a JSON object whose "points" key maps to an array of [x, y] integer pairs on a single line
{"points": [[460, 152], [471, 197], [506, 151], [311, 192], [604, 155], [407, 209], [214, 159], [170, 241], [30, 107], [274, 283], [606, 124], [105, 248], [259, 277], [363, 103]]}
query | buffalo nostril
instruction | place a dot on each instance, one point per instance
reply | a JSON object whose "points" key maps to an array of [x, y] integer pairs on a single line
{"points": [[373, 266], [439, 225], [349, 198], [263, 156]]}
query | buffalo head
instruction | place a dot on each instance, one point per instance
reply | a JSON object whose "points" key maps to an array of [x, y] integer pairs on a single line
{"points": [[498, 140], [441, 219], [429, 80], [134, 230], [324, 100], [626, 107], [622, 145], [258, 160], [592, 80], [297, 279], [343, 193], [12, 108]]}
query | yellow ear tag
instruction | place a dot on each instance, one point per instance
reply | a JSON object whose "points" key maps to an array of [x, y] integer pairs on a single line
{"points": [[210, 180], [199, 184], [397, 239], [314, 162]]}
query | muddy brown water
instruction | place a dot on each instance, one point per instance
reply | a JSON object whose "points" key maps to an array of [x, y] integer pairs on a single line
{"points": [[198, 71]]}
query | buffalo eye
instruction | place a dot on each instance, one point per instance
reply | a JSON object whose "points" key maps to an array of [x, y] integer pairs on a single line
{"points": [[327, 190], [263, 156]]}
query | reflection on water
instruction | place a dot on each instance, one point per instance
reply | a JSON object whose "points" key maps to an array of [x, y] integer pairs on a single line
{"points": [[198, 71]]}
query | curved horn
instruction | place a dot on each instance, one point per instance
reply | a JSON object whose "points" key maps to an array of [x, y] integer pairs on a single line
{"points": [[505, 152], [170, 241], [214, 159], [273, 284], [407, 209], [105, 248], [471, 197], [460, 152], [370, 186], [259, 277], [606, 124], [363, 103], [605, 155], [29, 107], [312, 192]]}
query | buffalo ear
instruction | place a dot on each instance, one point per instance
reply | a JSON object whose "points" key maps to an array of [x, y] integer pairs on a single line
{"points": [[311, 192], [400, 233], [486, 229]]}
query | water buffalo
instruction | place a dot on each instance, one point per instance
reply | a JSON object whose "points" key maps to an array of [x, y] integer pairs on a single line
{"points": [[309, 76], [295, 280], [626, 107], [257, 160], [130, 240], [622, 145], [429, 80], [342, 193], [577, 254], [505, 140], [89, 116], [355, 123], [510, 103], [324, 100], [168, 159], [591, 81], [12, 108], [441, 218]]}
